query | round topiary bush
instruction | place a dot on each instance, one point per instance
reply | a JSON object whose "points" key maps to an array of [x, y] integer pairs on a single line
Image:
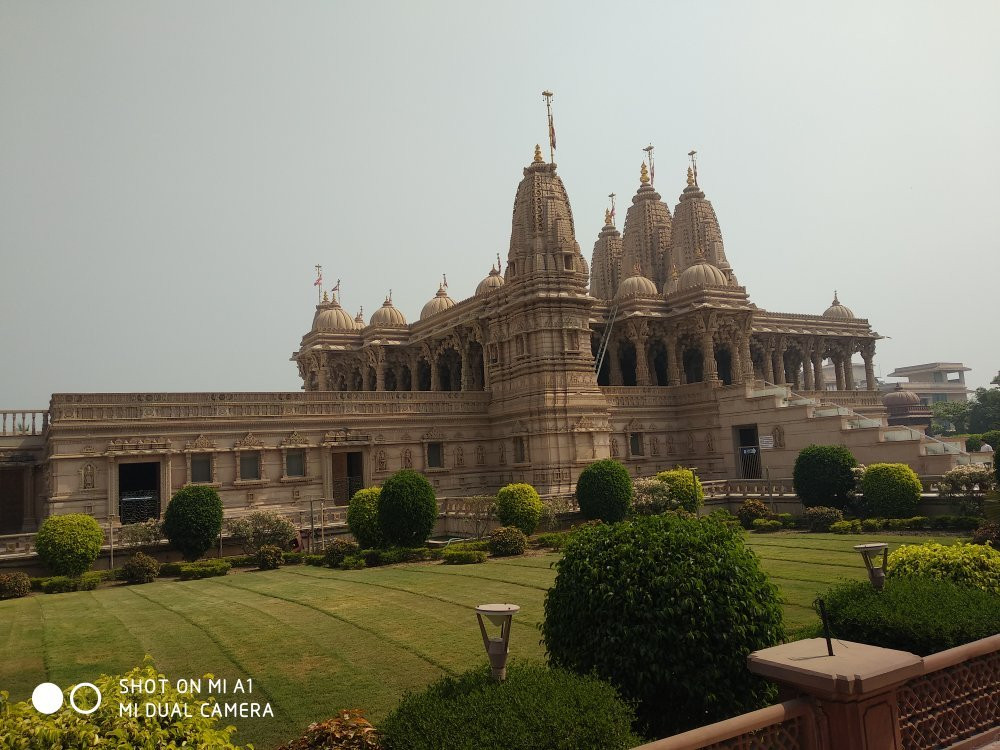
{"points": [[68, 545], [823, 476], [684, 488], [975, 565], [14, 585], [891, 490], [507, 541], [337, 550], [535, 708], [407, 509], [820, 518], [362, 517], [666, 608], [519, 505], [269, 557], [193, 520], [604, 491], [141, 568], [750, 510]]}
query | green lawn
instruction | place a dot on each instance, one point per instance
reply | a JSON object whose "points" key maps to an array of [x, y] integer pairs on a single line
{"points": [[316, 640]]}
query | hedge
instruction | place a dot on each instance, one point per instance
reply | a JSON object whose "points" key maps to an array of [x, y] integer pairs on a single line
{"points": [[975, 565]]}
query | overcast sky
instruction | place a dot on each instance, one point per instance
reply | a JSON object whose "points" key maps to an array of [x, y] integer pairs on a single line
{"points": [[171, 172]]}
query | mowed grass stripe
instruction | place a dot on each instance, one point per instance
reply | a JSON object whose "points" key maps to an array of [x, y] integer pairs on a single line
{"points": [[453, 571], [22, 632]]}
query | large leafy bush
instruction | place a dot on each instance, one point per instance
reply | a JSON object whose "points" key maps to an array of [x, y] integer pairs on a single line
{"points": [[407, 509], [604, 491], [823, 476], [536, 708], [666, 609], [14, 585], [193, 520], [916, 614], [683, 488], [362, 517], [337, 550], [347, 731], [68, 545], [140, 534], [27, 729], [269, 557], [975, 565], [507, 541], [141, 568], [261, 528], [820, 518], [751, 510], [519, 505], [890, 491], [988, 532]]}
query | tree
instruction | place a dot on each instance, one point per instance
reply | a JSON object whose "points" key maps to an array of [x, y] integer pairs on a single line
{"points": [[193, 520], [950, 415], [984, 410]]}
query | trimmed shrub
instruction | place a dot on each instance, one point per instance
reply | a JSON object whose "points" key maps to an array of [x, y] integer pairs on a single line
{"points": [[68, 545], [337, 550], [891, 490], [846, 527], [352, 562], [394, 556], [917, 522], [260, 528], [750, 510], [684, 489], [317, 561], [30, 729], [507, 541], [407, 509], [362, 517], [916, 614], [348, 731], [293, 558], [269, 557], [650, 497], [241, 561], [140, 568], [823, 475], [555, 540], [973, 443], [988, 533], [626, 595], [820, 518], [535, 708], [64, 584], [519, 505], [204, 569], [765, 525], [479, 545], [604, 491], [141, 534], [462, 556], [193, 520], [170, 569], [872, 524], [787, 520], [14, 585], [975, 565]]}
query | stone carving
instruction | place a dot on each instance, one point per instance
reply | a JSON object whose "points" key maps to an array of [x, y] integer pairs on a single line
{"points": [[407, 459], [380, 461], [459, 456], [200, 443], [295, 439], [614, 447], [503, 455], [690, 439], [778, 435], [248, 441], [88, 477], [709, 443], [480, 455], [654, 446]]}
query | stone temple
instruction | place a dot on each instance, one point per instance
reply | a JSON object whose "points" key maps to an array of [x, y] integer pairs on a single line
{"points": [[502, 386]]}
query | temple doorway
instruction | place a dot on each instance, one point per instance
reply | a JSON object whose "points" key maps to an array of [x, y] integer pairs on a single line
{"points": [[348, 475], [138, 491], [748, 451], [12, 482]]}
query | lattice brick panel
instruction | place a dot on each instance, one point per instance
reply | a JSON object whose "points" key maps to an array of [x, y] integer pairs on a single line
{"points": [[941, 708], [785, 736]]}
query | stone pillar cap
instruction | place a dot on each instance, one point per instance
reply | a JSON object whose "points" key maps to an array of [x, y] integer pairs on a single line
{"points": [[855, 669]]}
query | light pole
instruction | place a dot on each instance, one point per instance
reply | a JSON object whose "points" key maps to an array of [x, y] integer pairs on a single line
{"points": [[869, 553], [500, 615]]}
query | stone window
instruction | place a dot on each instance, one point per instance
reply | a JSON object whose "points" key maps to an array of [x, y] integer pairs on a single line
{"points": [[201, 468], [435, 455], [295, 463], [249, 465], [568, 262], [520, 450], [635, 444]]}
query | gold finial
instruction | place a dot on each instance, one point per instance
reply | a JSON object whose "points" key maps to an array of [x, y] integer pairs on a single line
{"points": [[538, 154], [644, 174], [607, 217], [690, 177], [326, 299]]}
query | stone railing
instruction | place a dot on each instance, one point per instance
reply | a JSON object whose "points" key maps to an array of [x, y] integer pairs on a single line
{"points": [[726, 488], [653, 396], [77, 407], [845, 398], [23, 422], [17, 544]]}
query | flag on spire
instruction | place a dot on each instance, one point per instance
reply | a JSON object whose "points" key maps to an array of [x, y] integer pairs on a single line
{"points": [[319, 276], [552, 128]]}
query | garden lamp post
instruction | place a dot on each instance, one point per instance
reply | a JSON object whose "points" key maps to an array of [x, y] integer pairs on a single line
{"points": [[869, 553], [500, 615]]}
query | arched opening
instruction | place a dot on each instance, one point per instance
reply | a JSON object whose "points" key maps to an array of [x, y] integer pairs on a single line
{"points": [[371, 378], [390, 383], [604, 375], [477, 372], [724, 364], [693, 365], [657, 359], [423, 375], [405, 378], [627, 360], [313, 381], [449, 366], [356, 382]]}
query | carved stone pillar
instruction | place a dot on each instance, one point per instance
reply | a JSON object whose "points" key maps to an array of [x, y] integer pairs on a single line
{"points": [[747, 357], [819, 380], [848, 373], [868, 355], [414, 369], [435, 376], [380, 376], [615, 375], [709, 369], [466, 370], [673, 367], [166, 483], [838, 368], [768, 361], [112, 509], [807, 368], [641, 361]]}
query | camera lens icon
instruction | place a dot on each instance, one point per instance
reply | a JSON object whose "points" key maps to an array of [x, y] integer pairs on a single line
{"points": [[47, 698]]}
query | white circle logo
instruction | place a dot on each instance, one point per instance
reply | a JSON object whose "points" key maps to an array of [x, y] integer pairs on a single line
{"points": [[72, 695], [47, 698]]}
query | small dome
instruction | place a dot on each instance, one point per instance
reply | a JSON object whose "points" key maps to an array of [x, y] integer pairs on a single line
{"points": [[837, 310], [702, 274], [439, 303], [900, 399], [331, 317], [491, 282], [387, 315], [637, 285]]}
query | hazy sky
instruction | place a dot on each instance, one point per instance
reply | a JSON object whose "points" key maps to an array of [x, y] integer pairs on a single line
{"points": [[171, 172]]}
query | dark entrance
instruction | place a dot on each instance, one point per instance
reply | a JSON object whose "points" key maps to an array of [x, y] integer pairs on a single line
{"points": [[12, 500], [348, 476], [138, 491], [748, 451]]}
